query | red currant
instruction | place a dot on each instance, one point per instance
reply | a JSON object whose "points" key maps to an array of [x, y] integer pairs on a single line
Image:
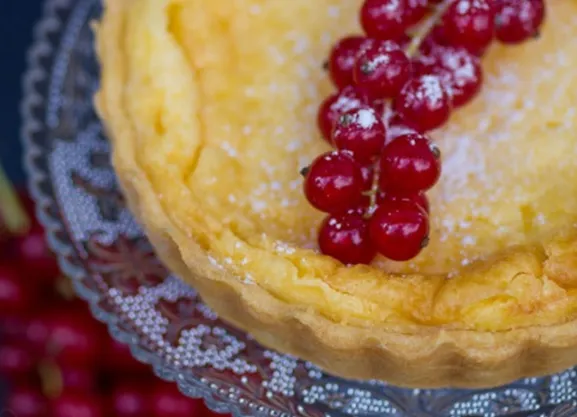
{"points": [[424, 103], [25, 401], [16, 362], [399, 230], [36, 333], [419, 199], [15, 294], [373, 71], [130, 400], [117, 356], [342, 60], [330, 110], [78, 379], [334, 182], [389, 19], [382, 69], [517, 21], [14, 326], [459, 70], [74, 338], [168, 401], [470, 24], [360, 131], [35, 258], [345, 237], [409, 164], [76, 405]]}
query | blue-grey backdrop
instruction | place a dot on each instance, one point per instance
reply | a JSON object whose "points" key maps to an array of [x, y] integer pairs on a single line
{"points": [[17, 18]]}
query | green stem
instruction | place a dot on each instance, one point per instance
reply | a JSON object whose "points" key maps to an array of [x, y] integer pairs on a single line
{"points": [[11, 211]]}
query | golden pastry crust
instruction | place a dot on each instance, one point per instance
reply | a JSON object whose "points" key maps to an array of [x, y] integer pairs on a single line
{"points": [[203, 109]]}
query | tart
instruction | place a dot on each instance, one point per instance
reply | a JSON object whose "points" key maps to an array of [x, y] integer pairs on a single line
{"points": [[210, 109]]}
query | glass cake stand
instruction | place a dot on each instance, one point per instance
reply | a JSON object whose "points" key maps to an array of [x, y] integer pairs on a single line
{"points": [[166, 325]]}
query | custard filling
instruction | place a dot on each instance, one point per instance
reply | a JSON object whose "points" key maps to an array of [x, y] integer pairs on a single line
{"points": [[219, 104]]}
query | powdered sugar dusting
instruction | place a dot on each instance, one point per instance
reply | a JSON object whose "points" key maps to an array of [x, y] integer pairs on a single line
{"points": [[345, 103], [366, 118], [487, 160], [460, 64], [489, 150], [432, 89], [429, 89], [464, 6]]}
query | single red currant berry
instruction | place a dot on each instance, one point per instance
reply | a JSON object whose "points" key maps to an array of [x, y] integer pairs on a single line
{"points": [[345, 237], [35, 259], [360, 131], [399, 230], [470, 24], [73, 337], [389, 19], [117, 357], [130, 399], [342, 60], [334, 182], [460, 72], [16, 362], [409, 164], [80, 379], [382, 69], [517, 21], [419, 199], [166, 400], [25, 401], [76, 405], [16, 294], [424, 103], [336, 104]]}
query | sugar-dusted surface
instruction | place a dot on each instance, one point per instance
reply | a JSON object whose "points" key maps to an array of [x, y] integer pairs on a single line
{"points": [[259, 127], [509, 172], [220, 115]]}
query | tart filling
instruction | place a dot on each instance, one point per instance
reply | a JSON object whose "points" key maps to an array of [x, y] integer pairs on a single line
{"points": [[217, 102]]}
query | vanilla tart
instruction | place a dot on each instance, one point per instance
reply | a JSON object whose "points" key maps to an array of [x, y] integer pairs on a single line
{"points": [[210, 108]]}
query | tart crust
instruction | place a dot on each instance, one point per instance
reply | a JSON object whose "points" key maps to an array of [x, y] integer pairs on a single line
{"points": [[506, 311]]}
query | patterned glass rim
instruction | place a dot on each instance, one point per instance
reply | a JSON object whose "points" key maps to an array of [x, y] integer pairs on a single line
{"points": [[47, 34]]}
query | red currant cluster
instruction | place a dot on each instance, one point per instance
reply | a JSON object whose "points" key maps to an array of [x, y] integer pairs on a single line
{"points": [[57, 359], [418, 61]]}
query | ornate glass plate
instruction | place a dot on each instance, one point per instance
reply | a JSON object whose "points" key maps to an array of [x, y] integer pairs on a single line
{"points": [[112, 266]]}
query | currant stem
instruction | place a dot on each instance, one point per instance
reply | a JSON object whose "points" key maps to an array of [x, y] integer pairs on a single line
{"points": [[11, 211], [426, 27], [51, 379], [412, 50], [374, 191]]}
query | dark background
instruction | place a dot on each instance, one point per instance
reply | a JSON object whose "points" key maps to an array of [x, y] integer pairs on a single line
{"points": [[17, 18]]}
